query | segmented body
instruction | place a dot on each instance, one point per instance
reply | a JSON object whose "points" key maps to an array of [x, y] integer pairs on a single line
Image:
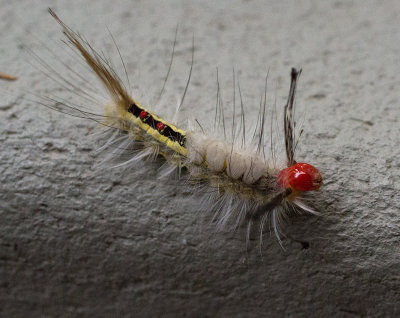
{"points": [[241, 171], [244, 184]]}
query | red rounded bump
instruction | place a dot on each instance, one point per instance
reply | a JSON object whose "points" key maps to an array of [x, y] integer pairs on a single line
{"points": [[143, 114], [160, 126]]}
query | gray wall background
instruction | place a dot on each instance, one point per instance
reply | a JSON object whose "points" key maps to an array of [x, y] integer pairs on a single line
{"points": [[79, 241]]}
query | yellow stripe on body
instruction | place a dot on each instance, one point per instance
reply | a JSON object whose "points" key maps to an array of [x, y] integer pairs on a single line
{"points": [[174, 145]]}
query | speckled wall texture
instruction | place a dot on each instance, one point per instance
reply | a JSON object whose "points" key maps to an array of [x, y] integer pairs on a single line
{"points": [[82, 241]]}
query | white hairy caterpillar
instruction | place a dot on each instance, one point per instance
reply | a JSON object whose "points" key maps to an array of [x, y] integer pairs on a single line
{"points": [[240, 182]]}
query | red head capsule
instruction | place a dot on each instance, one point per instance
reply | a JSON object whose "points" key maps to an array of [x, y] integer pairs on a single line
{"points": [[300, 177]]}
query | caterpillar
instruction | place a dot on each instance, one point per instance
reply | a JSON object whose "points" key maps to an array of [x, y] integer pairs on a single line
{"points": [[241, 184]]}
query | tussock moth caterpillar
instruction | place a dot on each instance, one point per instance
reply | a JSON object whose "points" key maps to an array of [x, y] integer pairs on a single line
{"points": [[239, 182]]}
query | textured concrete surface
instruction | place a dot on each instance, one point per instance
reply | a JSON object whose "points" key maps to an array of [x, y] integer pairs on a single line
{"points": [[76, 241]]}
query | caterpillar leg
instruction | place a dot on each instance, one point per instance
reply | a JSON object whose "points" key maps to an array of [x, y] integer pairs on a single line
{"points": [[274, 202]]}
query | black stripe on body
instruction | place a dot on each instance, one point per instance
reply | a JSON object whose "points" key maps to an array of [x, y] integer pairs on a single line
{"points": [[167, 131]]}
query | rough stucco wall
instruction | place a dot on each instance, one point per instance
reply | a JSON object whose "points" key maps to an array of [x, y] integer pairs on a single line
{"points": [[76, 241]]}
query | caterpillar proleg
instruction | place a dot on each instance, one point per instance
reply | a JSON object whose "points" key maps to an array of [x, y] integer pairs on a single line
{"points": [[241, 184]]}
